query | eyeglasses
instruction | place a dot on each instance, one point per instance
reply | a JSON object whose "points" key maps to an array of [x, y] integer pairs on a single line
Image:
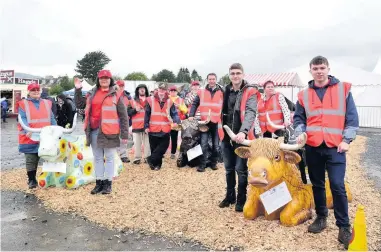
{"points": [[235, 73]]}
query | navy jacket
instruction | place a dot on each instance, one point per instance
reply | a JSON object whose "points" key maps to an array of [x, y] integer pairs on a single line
{"points": [[351, 117]]}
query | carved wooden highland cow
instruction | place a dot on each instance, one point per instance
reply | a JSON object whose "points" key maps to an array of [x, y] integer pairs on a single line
{"points": [[269, 164]]}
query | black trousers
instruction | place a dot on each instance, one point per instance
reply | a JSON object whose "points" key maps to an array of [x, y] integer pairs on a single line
{"points": [[213, 132], [159, 145], [174, 137]]}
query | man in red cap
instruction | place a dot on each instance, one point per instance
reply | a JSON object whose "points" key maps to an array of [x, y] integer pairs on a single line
{"points": [[35, 112], [122, 149]]}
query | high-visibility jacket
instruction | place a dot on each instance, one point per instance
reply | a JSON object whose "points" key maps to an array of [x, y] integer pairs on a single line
{"points": [[138, 118], [274, 109], [36, 118], [214, 105], [247, 93], [325, 119], [109, 115], [159, 121]]}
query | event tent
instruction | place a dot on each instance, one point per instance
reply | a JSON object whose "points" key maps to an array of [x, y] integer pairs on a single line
{"points": [[377, 68], [85, 88]]}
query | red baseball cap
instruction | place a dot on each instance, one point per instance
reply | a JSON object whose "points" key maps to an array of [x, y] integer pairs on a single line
{"points": [[195, 83], [33, 85], [120, 83], [104, 73], [173, 88]]}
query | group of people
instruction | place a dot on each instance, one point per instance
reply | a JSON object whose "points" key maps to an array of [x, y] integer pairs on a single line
{"points": [[325, 111]]}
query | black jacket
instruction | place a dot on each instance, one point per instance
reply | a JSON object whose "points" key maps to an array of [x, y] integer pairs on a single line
{"points": [[250, 114]]}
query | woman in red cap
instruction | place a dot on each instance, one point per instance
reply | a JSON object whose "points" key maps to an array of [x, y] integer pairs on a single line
{"points": [[35, 112], [105, 121]]}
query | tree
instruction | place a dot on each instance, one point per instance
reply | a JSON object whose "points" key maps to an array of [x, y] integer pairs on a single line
{"points": [[195, 75], [56, 90], [136, 76], [224, 80], [66, 83], [154, 77], [165, 75], [89, 66], [183, 76]]}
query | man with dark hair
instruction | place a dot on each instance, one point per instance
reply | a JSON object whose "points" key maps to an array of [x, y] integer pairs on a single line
{"points": [[209, 99], [326, 112], [239, 111], [45, 95]]}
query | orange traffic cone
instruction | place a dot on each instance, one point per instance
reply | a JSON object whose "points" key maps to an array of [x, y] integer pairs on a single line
{"points": [[359, 240]]}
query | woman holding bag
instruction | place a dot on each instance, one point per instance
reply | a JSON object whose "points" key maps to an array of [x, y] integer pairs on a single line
{"points": [[105, 120]]}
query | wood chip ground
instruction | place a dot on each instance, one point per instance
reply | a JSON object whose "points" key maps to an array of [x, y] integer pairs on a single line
{"points": [[184, 203]]}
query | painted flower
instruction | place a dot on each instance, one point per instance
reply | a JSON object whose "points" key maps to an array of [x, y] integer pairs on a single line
{"points": [[58, 174], [63, 146], [76, 163], [88, 168], [68, 144], [70, 181], [42, 183], [79, 156], [43, 175]]}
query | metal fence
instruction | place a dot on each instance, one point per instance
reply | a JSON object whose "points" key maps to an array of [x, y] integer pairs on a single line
{"points": [[369, 116]]}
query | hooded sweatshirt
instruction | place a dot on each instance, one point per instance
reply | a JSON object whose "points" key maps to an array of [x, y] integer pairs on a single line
{"points": [[351, 117], [132, 111]]}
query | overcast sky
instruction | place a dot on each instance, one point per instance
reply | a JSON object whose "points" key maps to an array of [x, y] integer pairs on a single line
{"points": [[47, 37]]}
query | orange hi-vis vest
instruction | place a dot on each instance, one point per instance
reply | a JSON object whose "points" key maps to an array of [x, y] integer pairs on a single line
{"points": [[247, 93], [274, 109], [36, 118], [214, 105], [138, 118], [109, 116], [159, 116], [325, 119]]}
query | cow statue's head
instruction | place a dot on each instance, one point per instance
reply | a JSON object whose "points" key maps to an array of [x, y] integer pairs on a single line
{"points": [[50, 139], [190, 133], [269, 161]]}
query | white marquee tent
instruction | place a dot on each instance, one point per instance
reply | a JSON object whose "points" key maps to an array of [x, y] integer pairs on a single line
{"points": [[377, 68], [366, 89], [85, 88]]}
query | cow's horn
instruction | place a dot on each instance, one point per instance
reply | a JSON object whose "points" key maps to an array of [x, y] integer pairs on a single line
{"points": [[294, 147], [207, 120], [29, 129], [68, 131], [272, 124], [233, 136]]}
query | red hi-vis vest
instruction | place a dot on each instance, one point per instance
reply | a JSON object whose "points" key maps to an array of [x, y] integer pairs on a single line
{"points": [[214, 105], [247, 93], [325, 119], [138, 118], [109, 115], [36, 118], [159, 116], [272, 107]]}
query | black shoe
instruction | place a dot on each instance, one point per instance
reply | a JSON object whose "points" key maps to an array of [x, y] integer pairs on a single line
{"points": [[98, 186], [125, 160], [345, 236], [213, 167], [32, 181], [239, 207], [200, 169], [319, 224], [226, 202], [106, 187], [136, 161]]}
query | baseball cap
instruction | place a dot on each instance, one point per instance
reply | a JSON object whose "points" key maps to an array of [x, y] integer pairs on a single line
{"points": [[195, 83], [33, 85], [120, 83], [173, 88], [104, 73]]}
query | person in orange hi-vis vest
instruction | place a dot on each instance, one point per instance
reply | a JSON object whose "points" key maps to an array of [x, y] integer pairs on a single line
{"points": [[160, 112], [106, 121], [209, 99], [122, 149], [276, 106], [35, 112], [239, 111], [136, 110], [326, 112], [177, 101]]}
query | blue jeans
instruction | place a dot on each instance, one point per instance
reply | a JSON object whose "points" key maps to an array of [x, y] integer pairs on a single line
{"points": [[234, 164], [103, 170], [213, 132], [320, 159]]}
